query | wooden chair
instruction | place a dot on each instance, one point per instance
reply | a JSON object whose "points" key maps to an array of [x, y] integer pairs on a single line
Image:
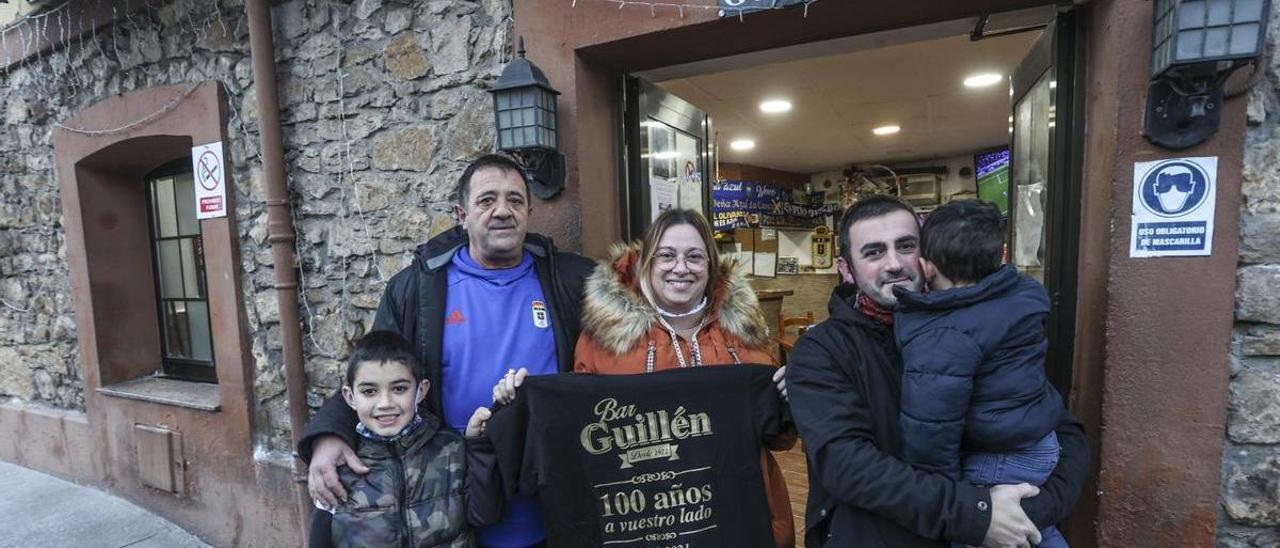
{"points": [[787, 342]]}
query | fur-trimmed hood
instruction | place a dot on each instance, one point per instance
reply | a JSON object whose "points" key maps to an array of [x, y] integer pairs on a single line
{"points": [[618, 317]]}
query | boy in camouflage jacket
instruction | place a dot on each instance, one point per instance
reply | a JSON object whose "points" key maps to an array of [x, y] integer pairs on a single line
{"points": [[426, 485]]}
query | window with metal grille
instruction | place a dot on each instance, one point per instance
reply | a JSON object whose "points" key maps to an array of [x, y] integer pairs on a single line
{"points": [[177, 253]]}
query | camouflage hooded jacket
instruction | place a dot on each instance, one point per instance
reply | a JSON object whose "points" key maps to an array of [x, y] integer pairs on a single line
{"points": [[426, 489]]}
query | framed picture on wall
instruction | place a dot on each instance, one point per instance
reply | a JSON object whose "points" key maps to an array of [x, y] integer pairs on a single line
{"points": [[788, 265], [662, 151]]}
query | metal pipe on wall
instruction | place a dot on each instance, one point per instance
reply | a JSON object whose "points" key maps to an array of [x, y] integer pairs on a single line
{"points": [[280, 233]]}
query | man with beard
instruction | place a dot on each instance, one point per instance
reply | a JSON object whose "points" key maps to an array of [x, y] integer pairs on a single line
{"points": [[479, 300], [844, 378]]}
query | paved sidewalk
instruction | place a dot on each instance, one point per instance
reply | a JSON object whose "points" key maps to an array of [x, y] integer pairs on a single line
{"points": [[37, 509]]}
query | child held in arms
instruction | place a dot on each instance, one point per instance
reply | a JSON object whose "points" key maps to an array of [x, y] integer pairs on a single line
{"points": [[426, 486], [975, 399]]}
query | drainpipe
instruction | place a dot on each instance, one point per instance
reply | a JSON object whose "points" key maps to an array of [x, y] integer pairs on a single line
{"points": [[281, 235]]}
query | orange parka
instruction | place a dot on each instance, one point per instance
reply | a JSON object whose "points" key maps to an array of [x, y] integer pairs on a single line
{"points": [[620, 330]]}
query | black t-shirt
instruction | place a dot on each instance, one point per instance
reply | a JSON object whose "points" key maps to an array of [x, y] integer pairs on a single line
{"points": [[660, 460]]}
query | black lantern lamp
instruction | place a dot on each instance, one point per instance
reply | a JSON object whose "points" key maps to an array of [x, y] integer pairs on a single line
{"points": [[1196, 46], [524, 107]]}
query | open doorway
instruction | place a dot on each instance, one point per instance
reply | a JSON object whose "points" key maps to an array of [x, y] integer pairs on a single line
{"points": [[780, 141]]}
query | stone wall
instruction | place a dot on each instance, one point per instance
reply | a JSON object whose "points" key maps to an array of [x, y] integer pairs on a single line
{"points": [[382, 103], [1250, 515]]}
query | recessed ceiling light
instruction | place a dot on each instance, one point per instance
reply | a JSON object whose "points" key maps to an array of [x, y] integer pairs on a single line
{"points": [[773, 106], [886, 130], [742, 144], [983, 80]]}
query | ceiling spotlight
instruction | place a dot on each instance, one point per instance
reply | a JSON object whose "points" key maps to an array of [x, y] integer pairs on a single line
{"points": [[742, 144], [774, 106], [886, 130], [983, 80]]}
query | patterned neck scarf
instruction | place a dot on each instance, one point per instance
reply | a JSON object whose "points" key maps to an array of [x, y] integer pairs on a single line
{"points": [[873, 310], [408, 429]]}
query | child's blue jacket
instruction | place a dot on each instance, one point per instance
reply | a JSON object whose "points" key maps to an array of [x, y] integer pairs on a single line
{"points": [[973, 370]]}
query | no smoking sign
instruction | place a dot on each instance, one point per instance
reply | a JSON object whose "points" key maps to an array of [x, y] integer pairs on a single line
{"points": [[211, 181]]}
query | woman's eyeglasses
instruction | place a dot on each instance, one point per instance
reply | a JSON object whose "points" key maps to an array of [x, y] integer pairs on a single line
{"points": [[693, 260]]}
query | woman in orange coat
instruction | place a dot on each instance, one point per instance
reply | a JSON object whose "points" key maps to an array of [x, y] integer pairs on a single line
{"points": [[669, 301]]}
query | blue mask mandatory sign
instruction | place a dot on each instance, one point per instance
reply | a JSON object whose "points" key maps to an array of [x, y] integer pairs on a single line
{"points": [[1173, 206]]}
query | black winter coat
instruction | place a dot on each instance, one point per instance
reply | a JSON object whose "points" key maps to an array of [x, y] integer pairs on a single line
{"points": [[413, 306], [973, 370], [844, 378]]}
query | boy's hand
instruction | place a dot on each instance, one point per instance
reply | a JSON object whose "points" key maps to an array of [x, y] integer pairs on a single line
{"points": [[780, 378], [322, 474], [505, 390], [477, 423]]}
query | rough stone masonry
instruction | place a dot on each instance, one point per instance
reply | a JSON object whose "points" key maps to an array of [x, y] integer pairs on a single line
{"points": [[382, 102], [1250, 514]]}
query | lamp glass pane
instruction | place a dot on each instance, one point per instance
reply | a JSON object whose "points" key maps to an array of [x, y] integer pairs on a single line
{"points": [[1191, 15], [1190, 45], [1219, 12], [1215, 41], [1247, 11], [1244, 39], [1161, 29], [530, 137], [504, 100], [526, 97], [504, 119], [528, 117], [504, 139], [1160, 58]]}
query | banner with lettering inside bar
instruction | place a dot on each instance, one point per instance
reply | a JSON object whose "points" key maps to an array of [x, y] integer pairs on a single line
{"points": [[738, 204]]}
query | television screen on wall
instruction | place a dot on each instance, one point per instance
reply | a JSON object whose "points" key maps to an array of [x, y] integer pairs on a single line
{"points": [[991, 170]]}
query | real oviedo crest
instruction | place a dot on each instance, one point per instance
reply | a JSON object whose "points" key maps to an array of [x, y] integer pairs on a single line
{"points": [[540, 319]]}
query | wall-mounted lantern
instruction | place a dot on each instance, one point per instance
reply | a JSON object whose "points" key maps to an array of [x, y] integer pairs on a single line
{"points": [[524, 108], [1196, 46]]}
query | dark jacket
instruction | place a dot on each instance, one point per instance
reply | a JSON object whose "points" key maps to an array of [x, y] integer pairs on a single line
{"points": [[973, 370], [426, 489], [413, 305], [844, 378]]}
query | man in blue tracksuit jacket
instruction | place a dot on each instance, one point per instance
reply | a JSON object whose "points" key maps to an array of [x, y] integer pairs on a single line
{"points": [[479, 300]]}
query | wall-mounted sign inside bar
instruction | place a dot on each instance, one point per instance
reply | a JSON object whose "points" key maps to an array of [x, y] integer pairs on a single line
{"points": [[739, 204]]}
